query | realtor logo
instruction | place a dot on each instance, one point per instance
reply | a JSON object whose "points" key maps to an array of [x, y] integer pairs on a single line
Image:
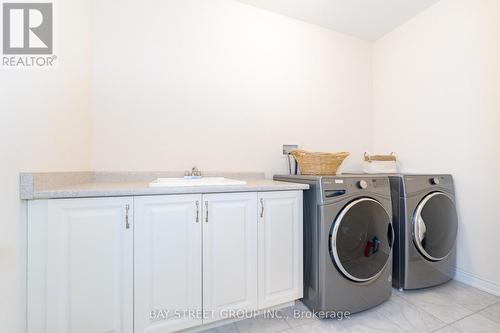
{"points": [[27, 29]]}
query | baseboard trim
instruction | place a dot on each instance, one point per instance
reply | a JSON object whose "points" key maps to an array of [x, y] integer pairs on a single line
{"points": [[477, 282]]}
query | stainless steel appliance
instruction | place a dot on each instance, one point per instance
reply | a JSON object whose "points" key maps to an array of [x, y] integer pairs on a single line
{"points": [[426, 224], [348, 239]]}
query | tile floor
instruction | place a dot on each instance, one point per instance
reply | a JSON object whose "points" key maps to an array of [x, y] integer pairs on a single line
{"points": [[453, 307]]}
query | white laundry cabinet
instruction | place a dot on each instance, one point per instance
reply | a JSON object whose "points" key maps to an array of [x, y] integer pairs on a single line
{"points": [[160, 263]]}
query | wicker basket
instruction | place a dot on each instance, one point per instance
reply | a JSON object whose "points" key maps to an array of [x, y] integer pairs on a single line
{"points": [[384, 158], [318, 163], [380, 163]]}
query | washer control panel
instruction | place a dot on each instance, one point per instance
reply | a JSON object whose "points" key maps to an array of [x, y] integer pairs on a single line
{"points": [[338, 186]]}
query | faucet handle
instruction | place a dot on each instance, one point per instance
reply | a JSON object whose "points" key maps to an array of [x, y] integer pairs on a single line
{"points": [[195, 171]]}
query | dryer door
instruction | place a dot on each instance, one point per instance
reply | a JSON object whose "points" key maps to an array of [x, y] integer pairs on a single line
{"points": [[361, 239], [435, 226]]}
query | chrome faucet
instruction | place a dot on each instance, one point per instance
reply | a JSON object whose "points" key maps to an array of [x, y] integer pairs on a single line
{"points": [[194, 172]]}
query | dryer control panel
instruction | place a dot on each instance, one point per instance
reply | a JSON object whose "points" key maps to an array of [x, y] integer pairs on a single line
{"points": [[418, 183]]}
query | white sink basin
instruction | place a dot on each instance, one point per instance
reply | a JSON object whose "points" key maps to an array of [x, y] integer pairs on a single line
{"points": [[203, 181]]}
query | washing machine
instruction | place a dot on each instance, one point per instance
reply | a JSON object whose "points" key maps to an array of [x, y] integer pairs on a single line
{"points": [[425, 223], [348, 239]]}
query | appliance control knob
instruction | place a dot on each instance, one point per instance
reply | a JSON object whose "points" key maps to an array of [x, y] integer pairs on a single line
{"points": [[435, 181], [363, 184]]}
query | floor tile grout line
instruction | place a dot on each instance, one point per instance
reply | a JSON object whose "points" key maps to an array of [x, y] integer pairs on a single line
{"points": [[488, 319], [424, 310], [453, 322], [447, 324], [470, 315], [439, 329], [288, 324], [488, 306], [397, 325], [290, 327], [409, 300], [456, 321]]}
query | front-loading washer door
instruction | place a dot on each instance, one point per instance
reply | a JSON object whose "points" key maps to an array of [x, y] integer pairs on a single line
{"points": [[361, 239], [435, 226]]}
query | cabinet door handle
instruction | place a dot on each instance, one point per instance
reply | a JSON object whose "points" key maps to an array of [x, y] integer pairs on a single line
{"points": [[197, 211], [261, 207], [206, 211], [127, 223]]}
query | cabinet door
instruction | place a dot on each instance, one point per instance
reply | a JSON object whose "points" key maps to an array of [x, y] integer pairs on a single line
{"points": [[89, 246], [280, 247], [168, 276], [229, 253]]}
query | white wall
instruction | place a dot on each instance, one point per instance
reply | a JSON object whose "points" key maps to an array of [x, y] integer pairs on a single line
{"points": [[44, 126], [209, 86], [221, 85], [437, 102]]}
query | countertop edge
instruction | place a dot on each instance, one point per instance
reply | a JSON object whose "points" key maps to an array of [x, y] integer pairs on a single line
{"points": [[90, 193]]}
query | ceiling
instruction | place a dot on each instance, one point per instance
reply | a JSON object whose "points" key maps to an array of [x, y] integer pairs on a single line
{"points": [[366, 19]]}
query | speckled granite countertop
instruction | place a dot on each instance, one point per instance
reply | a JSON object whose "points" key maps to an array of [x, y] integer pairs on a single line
{"points": [[59, 185]]}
